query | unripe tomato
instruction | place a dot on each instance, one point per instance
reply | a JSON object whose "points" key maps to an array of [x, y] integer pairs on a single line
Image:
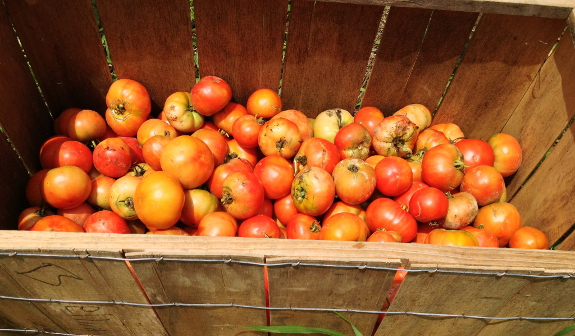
{"points": [[180, 113], [418, 114], [122, 194]]}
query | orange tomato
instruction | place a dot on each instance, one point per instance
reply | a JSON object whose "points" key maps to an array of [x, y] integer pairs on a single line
{"points": [[159, 199], [451, 238], [264, 103], [527, 237], [501, 219]]}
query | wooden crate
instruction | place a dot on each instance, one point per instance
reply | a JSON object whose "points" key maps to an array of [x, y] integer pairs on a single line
{"points": [[505, 73]]}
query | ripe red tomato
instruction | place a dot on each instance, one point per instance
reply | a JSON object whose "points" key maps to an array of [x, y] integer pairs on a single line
{"points": [[461, 212], [415, 164], [279, 137], [418, 114], [218, 224], [159, 199], [451, 131], [442, 167], [129, 105], [485, 183], [284, 209], [354, 180], [246, 130], [152, 150], [484, 237], [49, 149], [210, 95], [403, 199], [122, 194], [264, 103], [86, 125], [394, 136], [189, 159], [34, 194], [259, 226], [276, 175], [73, 153], [313, 191], [66, 187], [428, 204], [112, 157], [369, 117], [527, 237], [301, 120], [451, 238], [225, 119], [302, 226], [501, 219], [428, 139], [180, 113], [56, 223], [152, 127], [393, 175], [353, 141], [30, 216], [61, 122], [135, 149], [237, 151], [243, 194], [508, 153], [475, 153], [106, 221], [267, 208], [387, 214], [316, 152], [216, 180], [197, 204], [78, 214], [344, 226]]}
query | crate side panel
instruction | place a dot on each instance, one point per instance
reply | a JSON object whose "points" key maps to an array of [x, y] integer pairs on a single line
{"points": [[204, 283], [151, 42], [449, 293], [241, 41], [416, 57], [568, 244], [297, 286], [66, 54], [547, 107], [502, 59], [545, 202], [553, 297], [327, 52], [20, 97], [77, 280], [13, 186]]}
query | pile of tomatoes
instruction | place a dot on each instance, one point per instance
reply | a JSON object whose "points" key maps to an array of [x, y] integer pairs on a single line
{"points": [[208, 166]]}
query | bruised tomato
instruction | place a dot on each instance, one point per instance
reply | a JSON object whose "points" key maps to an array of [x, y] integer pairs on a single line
{"points": [[353, 141], [121, 196], [180, 113], [451, 131], [281, 137], [382, 236], [237, 151], [313, 191], [316, 152], [418, 114], [354, 180], [216, 180]]}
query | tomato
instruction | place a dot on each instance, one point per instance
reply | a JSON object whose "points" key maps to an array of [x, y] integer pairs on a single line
{"points": [[369, 117], [66, 187], [100, 192], [442, 167], [429, 138], [106, 221], [135, 149], [171, 231], [388, 214], [340, 206], [461, 212], [61, 122], [428, 204], [152, 127], [86, 125], [129, 105], [451, 131], [259, 226], [225, 119], [527, 237], [316, 152], [217, 224], [152, 150], [266, 209], [56, 223], [180, 113], [354, 180], [475, 153], [112, 157], [216, 142], [418, 114], [73, 153], [451, 238], [216, 180], [49, 149], [501, 219], [109, 134], [508, 153], [34, 194], [403, 199], [121, 196], [279, 137], [243, 194], [394, 136], [313, 191], [189, 159], [373, 160], [328, 123], [264, 103], [353, 141], [210, 95], [78, 214], [301, 120], [246, 130], [284, 209], [415, 164], [485, 183], [159, 199], [383, 236], [423, 229], [484, 237], [393, 175], [276, 175], [302, 226], [343, 226], [30, 216], [197, 204], [237, 151]]}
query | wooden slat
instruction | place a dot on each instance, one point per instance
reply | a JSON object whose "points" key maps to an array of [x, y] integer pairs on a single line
{"points": [[77, 279], [12, 186], [204, 282], [241, 41], [151, 42], [450, 293], [559, 9], [331, 288], [416, 57], [497, 69], [544, 111], [327, 53], [20, 97], [541, 298], [546, 202], [65, 53]]}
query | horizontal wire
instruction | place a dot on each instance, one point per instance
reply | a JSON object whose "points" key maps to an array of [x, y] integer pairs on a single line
{"points": [[34, 331]]}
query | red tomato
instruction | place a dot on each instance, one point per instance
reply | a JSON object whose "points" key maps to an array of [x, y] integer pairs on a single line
{"points": [[276, 175], [461, 212], [152, 150], [393, 175], [112, 157], [267, 208], [527, 237], [180, 113], [485, 183], [243, 194], [216, 180], [354, 180], [451, 238], [415, 164], [353, 141], [61, 122], [428, 139], [129, 105], [508, 153], [313, 191], [403, 199], [382, 236], [369, 117], [66, 187], [442, 167], [343, 226], [109, 134], [218, 224], [210, 95], [189, 159], [73, 153], [303, 227], [316, 152], [225, 119], [246, 130], [387, 214], [501, 219], [484, 237], [30, 216], [100, 192], [216, 142], [237, 151], [152, 127], [159, 199], [428, 204], [56, 223], [264, 103], [34, 194], [475, 153], [197, 204], [284, 209], [279, 137], [86, 125], [49, 149], [451, 131], [122, 194], [394, 136], [135, 149], [418, 114], [259, 226], [106, 221], [78, 214], [297, 117]]}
